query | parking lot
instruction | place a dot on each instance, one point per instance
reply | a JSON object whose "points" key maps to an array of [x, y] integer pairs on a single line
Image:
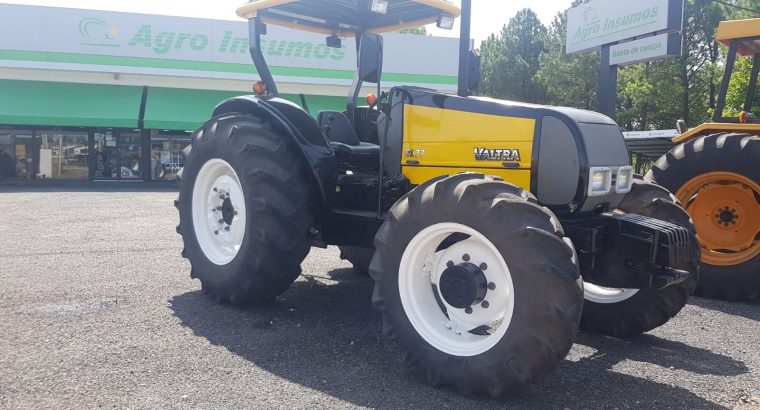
{"points": [[97, 310]]}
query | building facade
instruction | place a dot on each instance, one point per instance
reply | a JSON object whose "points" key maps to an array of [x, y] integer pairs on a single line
{"points": [[94, 95]]}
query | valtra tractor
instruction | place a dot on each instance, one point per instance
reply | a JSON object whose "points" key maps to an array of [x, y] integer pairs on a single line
{"points": [[492, 229]]}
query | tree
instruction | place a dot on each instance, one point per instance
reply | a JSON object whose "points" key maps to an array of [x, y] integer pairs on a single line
{"points": [[573, 80], [737, 90], [511, 60]]}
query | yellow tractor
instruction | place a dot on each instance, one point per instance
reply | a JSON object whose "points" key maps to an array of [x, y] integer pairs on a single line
{"points": [[714, 172], [492, 229]]}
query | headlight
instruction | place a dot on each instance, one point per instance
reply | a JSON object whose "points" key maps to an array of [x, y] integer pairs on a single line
{"points": [[600, 181], [624, 180], [445, 22], [379, 6]]}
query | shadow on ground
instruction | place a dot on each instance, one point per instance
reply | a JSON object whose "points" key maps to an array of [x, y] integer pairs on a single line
{"points": [[327, 337]]}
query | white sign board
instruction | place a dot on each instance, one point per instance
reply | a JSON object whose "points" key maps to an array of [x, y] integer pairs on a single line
{"points": [[100, 41], [632, 135], [646, 49], [600, 22]]}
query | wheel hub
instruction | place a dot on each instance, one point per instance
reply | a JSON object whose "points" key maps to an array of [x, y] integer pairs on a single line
{"points": [[726, 216], [725, 208], [463, 285], [219, 217], [228, 210], [444, 275]]}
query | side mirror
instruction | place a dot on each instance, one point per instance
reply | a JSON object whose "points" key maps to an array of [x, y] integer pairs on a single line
{"points": [[370, 58], [473, 76]]}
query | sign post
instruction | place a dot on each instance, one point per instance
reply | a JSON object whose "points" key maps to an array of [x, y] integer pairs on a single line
{"points": [[625, 33], [607, 84]]}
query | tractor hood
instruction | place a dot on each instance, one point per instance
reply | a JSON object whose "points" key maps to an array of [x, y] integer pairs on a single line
{"points": [[568, 143]]}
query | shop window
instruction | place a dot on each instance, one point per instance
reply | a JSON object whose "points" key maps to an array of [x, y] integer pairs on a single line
{"points": [[130, 153], [19, 151], [63, 155], [7, 157], [167, 156]]}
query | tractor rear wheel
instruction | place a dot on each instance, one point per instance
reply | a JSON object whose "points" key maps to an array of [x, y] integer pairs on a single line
{"points": [[628, 312], [717, 179], [477, 283], [245, 210]]}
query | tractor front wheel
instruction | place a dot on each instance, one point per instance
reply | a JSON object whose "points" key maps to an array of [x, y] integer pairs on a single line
{"points": [[628, 312], [477, 283]]}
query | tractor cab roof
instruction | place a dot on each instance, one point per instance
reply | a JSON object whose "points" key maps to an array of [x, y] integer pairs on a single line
{"points": [[346, 17], [747, 32]]}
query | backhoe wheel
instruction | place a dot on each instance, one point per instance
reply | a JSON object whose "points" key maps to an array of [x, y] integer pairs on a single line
{"points": [[477, 283], [717, 179], [628, 312], [360, 258], [245, 210]]}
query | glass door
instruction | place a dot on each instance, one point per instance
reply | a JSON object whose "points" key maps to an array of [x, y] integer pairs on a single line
{"points": [[131, 156], [107, 161]]}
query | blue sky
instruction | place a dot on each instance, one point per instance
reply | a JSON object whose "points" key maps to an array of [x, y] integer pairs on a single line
{"points": [[488, 15]]}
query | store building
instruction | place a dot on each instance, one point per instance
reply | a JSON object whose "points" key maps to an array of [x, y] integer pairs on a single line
{"points": [[93, 95]]}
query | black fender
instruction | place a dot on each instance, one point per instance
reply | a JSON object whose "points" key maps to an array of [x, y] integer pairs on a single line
{"points": [[292, 121]]}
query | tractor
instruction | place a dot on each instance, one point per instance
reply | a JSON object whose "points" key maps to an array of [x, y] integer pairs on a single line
{"points": [[493, 230], [714, 170]]}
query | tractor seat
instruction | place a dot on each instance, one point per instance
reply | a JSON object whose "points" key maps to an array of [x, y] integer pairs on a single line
{"points": [[346, 144]]}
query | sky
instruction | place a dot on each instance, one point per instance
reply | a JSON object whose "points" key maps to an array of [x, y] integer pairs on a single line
{"points": [[489, 16]]}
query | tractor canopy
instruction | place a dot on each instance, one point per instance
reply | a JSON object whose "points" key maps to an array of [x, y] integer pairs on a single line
{"points": [[746, 32], [347, 17]]}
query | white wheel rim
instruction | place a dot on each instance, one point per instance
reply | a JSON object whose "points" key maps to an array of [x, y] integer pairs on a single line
{"points": [[421, 267], [600, 294], [219, 230]]}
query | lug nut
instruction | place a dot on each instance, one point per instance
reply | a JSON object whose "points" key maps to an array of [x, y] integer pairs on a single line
{"points": [[216, 189], [491, 286], [466, 257], [483, 266], [468, 310], [216, 232], [235, 213], [227, 228], [485, 304], [450, 264], [221, 221]]}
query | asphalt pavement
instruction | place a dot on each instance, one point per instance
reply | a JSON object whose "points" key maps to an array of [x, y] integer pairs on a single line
{"points": [[97, 309]]}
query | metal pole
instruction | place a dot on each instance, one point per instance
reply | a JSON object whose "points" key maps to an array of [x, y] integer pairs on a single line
{"points": [[607, 84], [730, 61], [255, 30], [464, 48], [752, 83]]}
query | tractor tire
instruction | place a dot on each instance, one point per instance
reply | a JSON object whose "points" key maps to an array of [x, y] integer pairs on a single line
{"points": [[245, 209], [717, 179], [629, 312], [478, 284], [360, 258]]}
